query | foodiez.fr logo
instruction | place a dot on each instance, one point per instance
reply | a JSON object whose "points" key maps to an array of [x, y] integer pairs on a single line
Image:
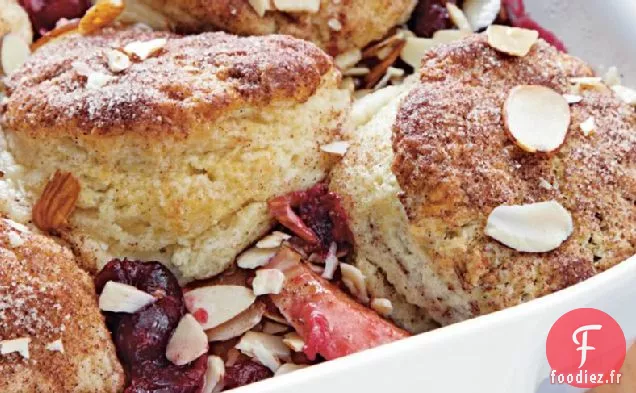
{"points": [[586, 348]]}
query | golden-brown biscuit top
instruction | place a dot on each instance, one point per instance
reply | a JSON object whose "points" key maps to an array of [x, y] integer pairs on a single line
{"points": [[193, 79]]}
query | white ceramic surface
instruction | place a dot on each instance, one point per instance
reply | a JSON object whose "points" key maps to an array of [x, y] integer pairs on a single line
{"points": [[503, 352]]}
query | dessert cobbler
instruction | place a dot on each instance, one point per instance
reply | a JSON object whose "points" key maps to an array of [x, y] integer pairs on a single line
{"points": [[195, 203]]}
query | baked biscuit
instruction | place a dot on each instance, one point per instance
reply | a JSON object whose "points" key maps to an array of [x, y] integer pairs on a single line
{"points": [[177, 154], [47, 299], [336, 27], [455, 164]]}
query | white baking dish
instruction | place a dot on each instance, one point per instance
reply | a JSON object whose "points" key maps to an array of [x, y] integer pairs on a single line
{"points": [[503, 352]]}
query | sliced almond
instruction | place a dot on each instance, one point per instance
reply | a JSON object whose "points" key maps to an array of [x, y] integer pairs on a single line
{"points": [[141, 50], [18, 345], [511, 40], [214, 375], [626, 94], [288, 368], [118, 297], [355, 282], [382, 306], [261, 6], [536, 227], [311, 6], [587, 81], [337, 148], [266, 349], [14, 51], [481, 13], [588, 126], [102, 14], [572, 98], [448, 36], [268, 282], [294, 342], [214, 305], [55, 346], [238, 325], [188, 342], [331, 262], [612, 77], [364, 108], [274, 328], [414, 50], [117, 60], [255, 257], [537, 118], [57, 202], [273, 240], [348, 59], [356, 71], [458, 17]]}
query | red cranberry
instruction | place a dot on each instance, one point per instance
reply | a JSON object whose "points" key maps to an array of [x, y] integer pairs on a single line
{"points": [[430, 16], [244, 372], [44, 14]]}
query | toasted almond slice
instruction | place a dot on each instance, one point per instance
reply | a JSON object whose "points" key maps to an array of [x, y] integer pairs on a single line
{"points": [[102, 14], [382, 306], [288, 368], [348, 59], [55, 346], [414, 50], [266, 349], [261, 6], [587, 81], [537, 118], [187, 343], [274, 328], [273, 240], [588, 126], [481, 13], [612, 77], [311, 6], [536, 227], [626, 94], [355, 282], [238, 325], [57, 202], [458, 18], [141, 50], [13, 53], [214, 374], [117, 61], [255, 257], [18, 345], [511, 40], [268, 282], [357, 71], [338, 148], [331, 262], [214, 305], [17, 226], [294, 342], [118, 297], [448, 36], [572, 98]]}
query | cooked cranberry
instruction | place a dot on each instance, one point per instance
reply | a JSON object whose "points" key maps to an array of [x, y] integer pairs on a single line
{"points": [[150, 277], [430, 16], [44, 14], [244, 372], [171, 379]]}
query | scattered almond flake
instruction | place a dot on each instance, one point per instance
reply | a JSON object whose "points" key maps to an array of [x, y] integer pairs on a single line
{"points": [[392, 73], [612, 77], [355, 282], [448, 36], [626, 94], [372, 78], [587, 81], [365, 107], [588, 126], [214, 305], [382, 306], [18, 345], [15, 240], [536, 117], [144, 49], [118, 297], [511, 40], [55, 346], [338, 148], [311, 6], [117, 60], [187, 343], [273, 240], [294, 342], [481, 13], [274, 328], [261, 6], [348, 59], [458, 18], [238, 325], [97, 80], [536, 227], [357, 71], [331, 262], [334, 24], [102, 14], [572, 98], [255, 257], [268, 282], [17, 226], [288, 368], [14, 51], [266, 349], [214, 375], [414, 50], [390, 42], [543, 183], [57, 202], [274, 315]]}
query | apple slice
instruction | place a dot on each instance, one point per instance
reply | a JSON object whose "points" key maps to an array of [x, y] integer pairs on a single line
{"points": [[188, 342], [511, 40], [537, 118], [118, 297], [214, 305]]}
